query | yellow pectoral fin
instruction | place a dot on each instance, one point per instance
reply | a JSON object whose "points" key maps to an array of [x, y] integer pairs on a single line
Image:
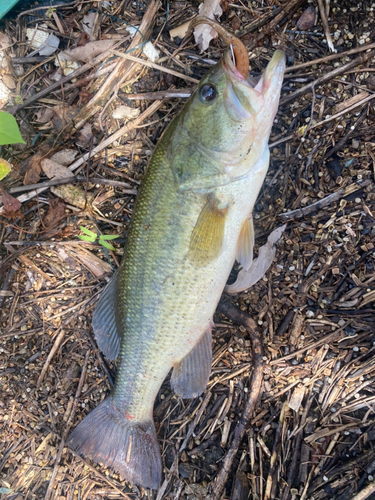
{"points": [[245, 244], [208, 234]]}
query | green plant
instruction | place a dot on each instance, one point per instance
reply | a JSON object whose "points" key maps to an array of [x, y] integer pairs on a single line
{"points": [[102, 239], [9, 131], [9, 134]]}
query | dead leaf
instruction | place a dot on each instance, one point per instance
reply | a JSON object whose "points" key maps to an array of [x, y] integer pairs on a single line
{"points": [[55, 212], [124, 111], [297, 398], [32, 175], [203, 33], [73, 195], [88, 22], [179, 31], [54, 170], [63, 115], [68, 259], [11, 206], [84, 136], [9, 82], [259, 266], [87, 52], [308, 19], [50, 46], [96, 266], [65, 156], [44, 115], [4, 40]]}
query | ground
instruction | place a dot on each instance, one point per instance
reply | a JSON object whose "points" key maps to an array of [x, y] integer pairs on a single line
{"points": [[311, 434]]}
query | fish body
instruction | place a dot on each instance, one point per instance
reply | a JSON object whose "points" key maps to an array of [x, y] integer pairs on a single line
{"points": [[191, 221]]}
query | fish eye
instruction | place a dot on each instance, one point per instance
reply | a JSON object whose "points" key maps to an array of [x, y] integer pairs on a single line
{"points": [[208, 93]]}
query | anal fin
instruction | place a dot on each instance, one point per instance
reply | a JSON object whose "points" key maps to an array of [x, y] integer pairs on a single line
{"points": [[190, 378], [208, 234], [104, 323], [245, 245]]}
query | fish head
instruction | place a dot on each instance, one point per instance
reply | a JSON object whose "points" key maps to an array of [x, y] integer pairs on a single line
{"points": [[228, 118]]}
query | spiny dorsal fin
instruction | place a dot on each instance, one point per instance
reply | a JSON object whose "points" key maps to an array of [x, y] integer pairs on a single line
{"points": [[208, 234], [245, 244]]}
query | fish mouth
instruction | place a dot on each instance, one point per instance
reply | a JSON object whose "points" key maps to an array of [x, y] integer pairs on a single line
{"points": [[241, 100]]}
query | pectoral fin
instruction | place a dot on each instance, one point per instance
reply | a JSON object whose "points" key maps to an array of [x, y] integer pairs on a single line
{"points": [[190, 377], [103, 322], [245, 244], [208, 234]]}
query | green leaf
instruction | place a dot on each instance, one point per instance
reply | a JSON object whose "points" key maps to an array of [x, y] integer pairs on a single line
{"points": [[88, 232], [86, 238], [106, 245], [108, 237], [9, 131], [5, 168]]}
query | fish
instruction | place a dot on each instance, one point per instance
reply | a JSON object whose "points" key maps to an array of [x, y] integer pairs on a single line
{"points": [[191, 221]]}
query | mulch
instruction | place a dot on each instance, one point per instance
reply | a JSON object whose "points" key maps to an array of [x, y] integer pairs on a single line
{"points": [[289, 410]]}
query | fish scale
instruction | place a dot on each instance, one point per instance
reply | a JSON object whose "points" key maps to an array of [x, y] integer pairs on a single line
{"points": [[191, 218]]}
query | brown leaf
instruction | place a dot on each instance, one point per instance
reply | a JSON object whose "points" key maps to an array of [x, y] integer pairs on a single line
{"points": [[63, 115], [44, 115], [84, 136], [11, 206], [88, 51], [307, 19], [54, 170], [33, 169], [55, 212], [65, 156]]}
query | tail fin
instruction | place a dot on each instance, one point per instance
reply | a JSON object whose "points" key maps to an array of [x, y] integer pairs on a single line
{"points": [[130, 448]]}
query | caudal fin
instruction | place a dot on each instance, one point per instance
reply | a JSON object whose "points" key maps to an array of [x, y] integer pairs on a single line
{"points": [[130, 448]]}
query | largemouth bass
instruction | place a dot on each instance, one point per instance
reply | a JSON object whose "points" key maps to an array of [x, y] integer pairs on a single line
{"points": [[191, 221]]}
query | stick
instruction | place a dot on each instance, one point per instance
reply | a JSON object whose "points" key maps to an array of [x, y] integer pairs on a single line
{"points": [[237, 316], [323, 16], [365, 493], [318, 205], [55, 346], [150, 64], [331, 57], [328, 76], [72, 179]]}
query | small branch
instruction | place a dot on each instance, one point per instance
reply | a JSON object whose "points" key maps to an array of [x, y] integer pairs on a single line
{"points": [[55, 346], [328, 76], [71, 180], [318, 205], [150, 64], [331, 57], [237, 316], [327, 34], [365, 493]]}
